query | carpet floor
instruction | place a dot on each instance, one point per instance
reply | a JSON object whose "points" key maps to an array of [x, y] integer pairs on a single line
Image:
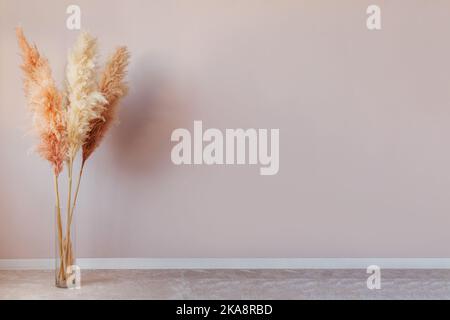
{"points": [[229, 284]]}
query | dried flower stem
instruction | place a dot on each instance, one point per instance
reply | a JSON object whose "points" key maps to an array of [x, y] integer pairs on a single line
{"points": [[59, 226], [70, 216], [76, 192], [69, 211]]}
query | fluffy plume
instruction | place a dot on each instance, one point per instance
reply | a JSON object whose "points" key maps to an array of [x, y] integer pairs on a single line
{"points": [[113, 88], [85, 102], [44, 101]]}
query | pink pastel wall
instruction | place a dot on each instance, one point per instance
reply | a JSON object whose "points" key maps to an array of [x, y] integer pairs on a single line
{"points": [[364, 121]]}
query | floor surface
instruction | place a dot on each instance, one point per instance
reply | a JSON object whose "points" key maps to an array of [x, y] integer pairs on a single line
{"points": [[229, 284]]}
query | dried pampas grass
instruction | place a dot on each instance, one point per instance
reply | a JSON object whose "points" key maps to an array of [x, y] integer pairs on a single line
{"points": [[113, 88], [85, 102], [73, 120], [45, 103]]}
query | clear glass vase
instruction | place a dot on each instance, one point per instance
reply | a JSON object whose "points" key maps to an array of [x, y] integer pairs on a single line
{"points": [[66, 271]]}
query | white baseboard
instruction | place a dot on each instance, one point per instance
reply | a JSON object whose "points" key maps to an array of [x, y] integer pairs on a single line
{"points": [[251, 263]]}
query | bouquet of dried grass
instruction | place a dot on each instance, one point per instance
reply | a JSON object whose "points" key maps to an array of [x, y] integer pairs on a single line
{"points": [[73, 119]]}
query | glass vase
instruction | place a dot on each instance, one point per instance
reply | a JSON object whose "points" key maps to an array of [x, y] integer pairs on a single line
{"points": [[65, 258]]}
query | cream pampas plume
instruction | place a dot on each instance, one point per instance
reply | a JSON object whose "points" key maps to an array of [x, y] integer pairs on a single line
{"points": [[85, 102], [44, 100], [84, 105], [113, 88]]}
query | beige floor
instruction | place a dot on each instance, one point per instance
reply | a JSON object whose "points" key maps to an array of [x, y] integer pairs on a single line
{"points": [[229, 284]]}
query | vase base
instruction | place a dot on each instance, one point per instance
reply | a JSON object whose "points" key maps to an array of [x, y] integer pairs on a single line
{"points": [[61, 284]]}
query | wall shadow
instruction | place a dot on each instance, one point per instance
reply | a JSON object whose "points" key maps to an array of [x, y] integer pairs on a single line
{"points": [[153, 108]]}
